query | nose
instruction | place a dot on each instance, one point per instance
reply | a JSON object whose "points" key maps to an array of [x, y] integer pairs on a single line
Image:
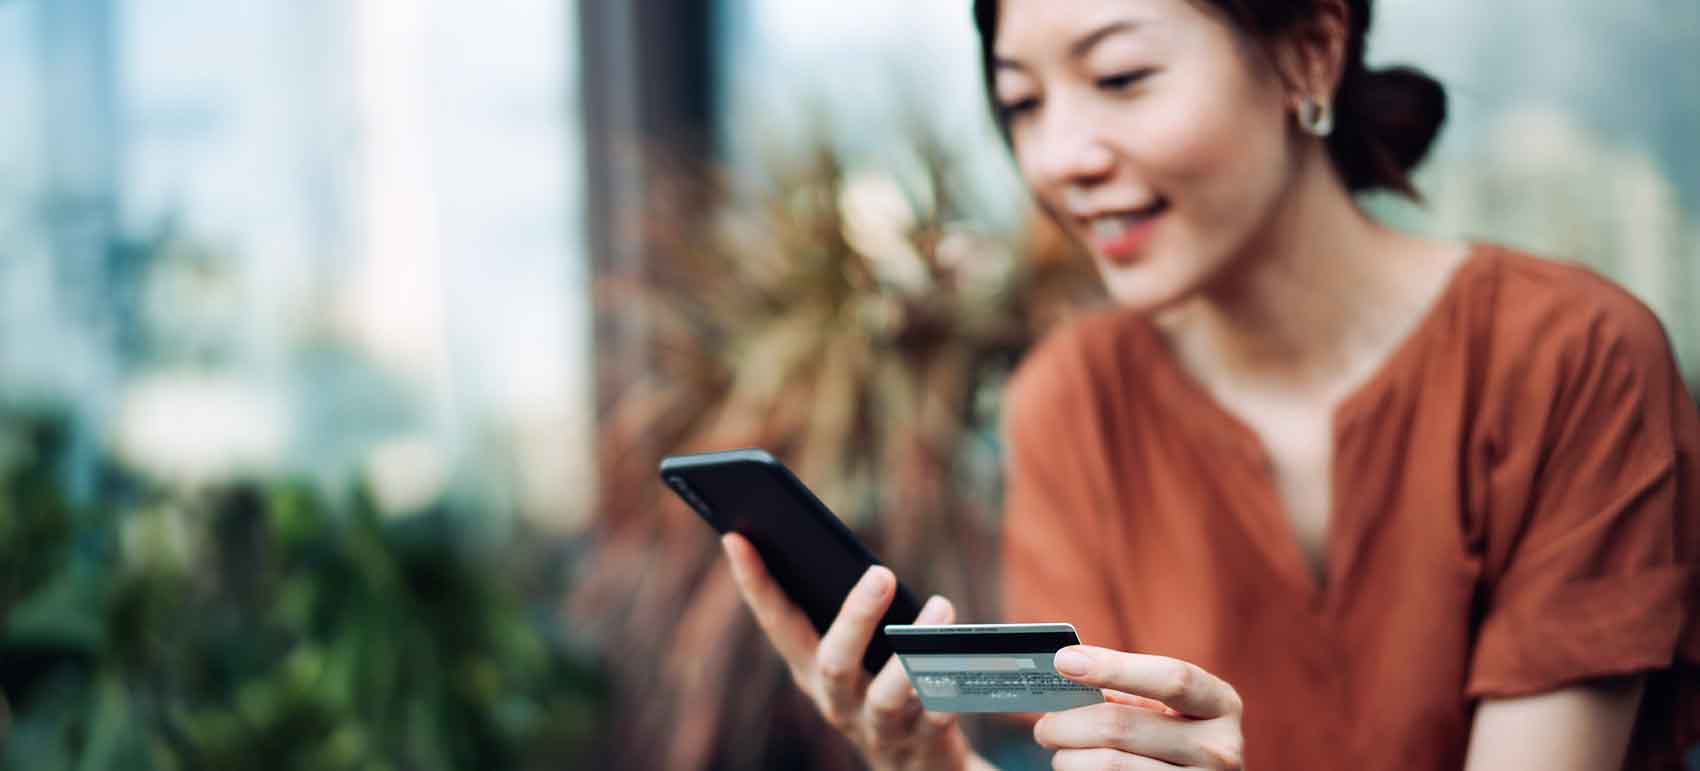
{"points": [[1068, 152]]}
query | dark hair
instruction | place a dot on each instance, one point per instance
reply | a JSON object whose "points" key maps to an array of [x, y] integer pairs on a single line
{"points": [[1384, 120]]}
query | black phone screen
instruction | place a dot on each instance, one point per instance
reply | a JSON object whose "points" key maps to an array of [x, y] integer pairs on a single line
{"points": [[806, 548]]}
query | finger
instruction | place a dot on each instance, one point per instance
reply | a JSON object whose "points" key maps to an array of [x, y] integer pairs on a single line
{"points": [[1099, 759], [891, 700], [839, 657], [892, 704], [1185, 687], [936, 612], [939, 722], [1117, 697], [779, 618], [1131, 730], [945, 612]]}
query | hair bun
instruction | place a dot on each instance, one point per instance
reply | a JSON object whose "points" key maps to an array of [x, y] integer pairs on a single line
{"points": [[1399, 111]]}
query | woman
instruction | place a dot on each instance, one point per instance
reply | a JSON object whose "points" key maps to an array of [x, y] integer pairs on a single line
{"points": [[1321, 494]]}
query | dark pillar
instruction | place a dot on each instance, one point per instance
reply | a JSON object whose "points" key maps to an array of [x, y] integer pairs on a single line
{"points": [[648, 75], [647, 79]]}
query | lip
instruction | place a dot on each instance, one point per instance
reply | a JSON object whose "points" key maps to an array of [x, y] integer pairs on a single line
{"points": [[1125, 248]]}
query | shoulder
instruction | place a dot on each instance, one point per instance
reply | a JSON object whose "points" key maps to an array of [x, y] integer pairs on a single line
{"points": [[1573, 366], [1571, 306], [1557, 323]]}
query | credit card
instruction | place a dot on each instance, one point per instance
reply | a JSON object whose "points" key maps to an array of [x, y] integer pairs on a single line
{"points": [[989, 667]]}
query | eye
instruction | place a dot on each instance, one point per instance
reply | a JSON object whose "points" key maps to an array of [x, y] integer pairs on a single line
{"points": [[1123, 81], [1018, 108]]}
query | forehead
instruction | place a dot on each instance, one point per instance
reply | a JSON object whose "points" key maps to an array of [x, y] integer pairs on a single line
{"points": [[1036, 27]]}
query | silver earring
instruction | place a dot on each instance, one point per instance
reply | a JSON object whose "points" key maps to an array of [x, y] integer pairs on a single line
{"points": [[1316, 118]]}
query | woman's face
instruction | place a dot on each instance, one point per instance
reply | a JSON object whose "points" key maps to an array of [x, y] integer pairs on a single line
{"points": [[1156, 135]]}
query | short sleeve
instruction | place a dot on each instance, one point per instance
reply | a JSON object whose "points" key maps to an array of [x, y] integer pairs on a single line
{"points": [[1590, 543], [1053, 555]]}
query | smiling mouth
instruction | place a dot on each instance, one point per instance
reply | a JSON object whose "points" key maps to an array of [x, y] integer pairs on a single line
{"points": [[1119, 235]]}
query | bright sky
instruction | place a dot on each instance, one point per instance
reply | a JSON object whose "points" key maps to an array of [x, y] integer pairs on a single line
{"points": [[825, 24]]}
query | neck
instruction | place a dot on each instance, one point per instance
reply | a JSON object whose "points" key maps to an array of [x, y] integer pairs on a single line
{"points": [[1311, 294]]}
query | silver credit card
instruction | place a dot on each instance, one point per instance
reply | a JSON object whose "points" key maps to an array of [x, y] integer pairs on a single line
{"points": [[989, 667]]}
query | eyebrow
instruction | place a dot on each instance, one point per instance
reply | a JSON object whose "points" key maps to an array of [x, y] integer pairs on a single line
{"points": [[1078, 48]]}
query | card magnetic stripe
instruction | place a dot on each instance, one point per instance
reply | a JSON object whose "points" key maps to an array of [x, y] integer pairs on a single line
{"points": [[1021, 642]]}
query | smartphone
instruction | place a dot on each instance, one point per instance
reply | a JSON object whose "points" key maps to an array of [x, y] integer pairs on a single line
{"points": [[806, 548]]}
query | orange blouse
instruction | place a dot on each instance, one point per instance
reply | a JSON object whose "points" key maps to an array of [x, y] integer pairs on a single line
{"points": [[1516, 508]]}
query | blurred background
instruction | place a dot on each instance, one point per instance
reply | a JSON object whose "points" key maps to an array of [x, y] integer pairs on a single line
{"points": [[339, 340]]}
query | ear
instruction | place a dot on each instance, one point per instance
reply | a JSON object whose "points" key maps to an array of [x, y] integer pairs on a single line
{"points": [[1311, 58]]}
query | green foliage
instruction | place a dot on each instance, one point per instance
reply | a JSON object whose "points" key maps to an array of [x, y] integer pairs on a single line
{"points": [[262, 627]]}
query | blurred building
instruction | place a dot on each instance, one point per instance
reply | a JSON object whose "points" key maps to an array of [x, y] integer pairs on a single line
{"points": [[379, 201], [1571, 133]]}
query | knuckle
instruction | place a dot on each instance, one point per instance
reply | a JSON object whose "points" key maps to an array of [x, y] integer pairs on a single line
{"points": [[1177, 680], [1224, 754], [1114, 726], [833, 670], [882, 706], [892, 704], [1236, 704], [891, 722]]}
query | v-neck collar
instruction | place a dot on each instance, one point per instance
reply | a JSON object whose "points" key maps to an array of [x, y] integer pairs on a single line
{"points": [[1272, 528]]}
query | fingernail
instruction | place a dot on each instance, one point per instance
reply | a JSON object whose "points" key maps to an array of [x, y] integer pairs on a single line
{"points": [[1070, 661], [933, 611]]}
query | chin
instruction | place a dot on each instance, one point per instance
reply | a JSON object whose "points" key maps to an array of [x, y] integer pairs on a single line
{"points": [[1150, 286]]}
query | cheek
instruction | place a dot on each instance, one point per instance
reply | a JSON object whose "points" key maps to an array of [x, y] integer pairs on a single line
{"points": [[1219, 149], [1218, 153], [1222, 162]]}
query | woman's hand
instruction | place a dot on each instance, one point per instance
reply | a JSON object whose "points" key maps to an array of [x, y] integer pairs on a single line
{"points": [[1161, 713], [882, 715]]}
